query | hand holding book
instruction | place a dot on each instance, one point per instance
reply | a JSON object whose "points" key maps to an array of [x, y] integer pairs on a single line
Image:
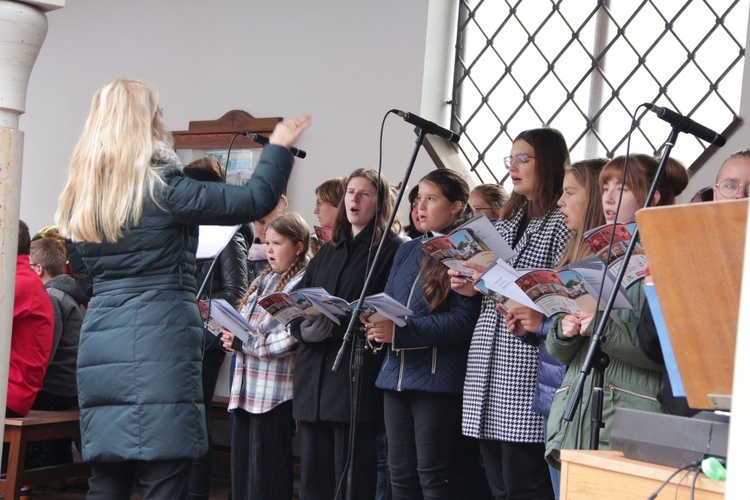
{"points": [[229, 318], [466, 285], [570, 290], [474, 242], [380, 331], [523, 320], [570, 326]]}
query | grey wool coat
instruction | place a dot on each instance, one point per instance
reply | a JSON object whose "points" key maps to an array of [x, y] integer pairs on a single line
{"points": [[139, 360]]}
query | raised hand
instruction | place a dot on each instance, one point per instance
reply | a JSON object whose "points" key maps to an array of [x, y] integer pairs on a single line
{"points": [[288, 131]]}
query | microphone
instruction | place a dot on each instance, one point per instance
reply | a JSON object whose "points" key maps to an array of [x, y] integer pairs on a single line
{"points": [[428, 126], [685, 124], [262, 139]]}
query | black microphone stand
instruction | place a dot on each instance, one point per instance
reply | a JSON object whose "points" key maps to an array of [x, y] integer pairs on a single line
{"points": [[208, 276], [359, 344], [595, 358]]}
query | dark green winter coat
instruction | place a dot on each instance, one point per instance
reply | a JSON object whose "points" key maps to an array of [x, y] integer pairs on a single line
{"points": [[139, 361]]}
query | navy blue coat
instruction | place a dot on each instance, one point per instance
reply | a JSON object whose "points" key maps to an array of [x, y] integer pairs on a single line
{"points": [[141, 344], [428, 354]]}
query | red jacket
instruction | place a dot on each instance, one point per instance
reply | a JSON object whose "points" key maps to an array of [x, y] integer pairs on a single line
{"points": [[31, 341]]}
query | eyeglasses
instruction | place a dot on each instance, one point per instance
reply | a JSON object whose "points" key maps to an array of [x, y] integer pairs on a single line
{"points": [[319, 204], [729, 189], [34, 264], [519, 160]]}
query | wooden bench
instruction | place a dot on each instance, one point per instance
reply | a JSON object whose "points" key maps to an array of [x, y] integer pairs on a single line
{"points": [[38, 426]]}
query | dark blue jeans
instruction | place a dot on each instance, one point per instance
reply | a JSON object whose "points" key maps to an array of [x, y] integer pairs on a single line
{"points": [[423, 430]]}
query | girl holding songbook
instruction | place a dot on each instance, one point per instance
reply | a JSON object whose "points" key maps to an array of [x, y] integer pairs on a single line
{"points": [[580, 204], [261, 398], [425, 363], [323, 397], [631, 380], [501, 373]]}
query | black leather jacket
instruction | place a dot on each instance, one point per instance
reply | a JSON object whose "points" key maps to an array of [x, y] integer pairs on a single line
{"points": [[228, 280]]}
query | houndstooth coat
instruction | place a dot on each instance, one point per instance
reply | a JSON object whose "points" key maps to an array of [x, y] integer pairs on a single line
{"points": [[502, 371]]}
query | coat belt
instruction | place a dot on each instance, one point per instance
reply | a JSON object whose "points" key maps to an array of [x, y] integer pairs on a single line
{"points": [[146, 283]]}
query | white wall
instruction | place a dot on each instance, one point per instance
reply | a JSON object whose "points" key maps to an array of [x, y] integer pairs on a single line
{"points": [[346, 63]]}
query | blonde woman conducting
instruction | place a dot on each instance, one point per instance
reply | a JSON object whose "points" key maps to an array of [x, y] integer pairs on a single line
{"points": [[132, 218]]}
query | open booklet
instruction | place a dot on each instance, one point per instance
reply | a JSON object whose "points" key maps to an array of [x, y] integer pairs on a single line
{"points": [[598, 240], [323, 233], [476, 241], [573, 289], [225, 315], [313, 301]]}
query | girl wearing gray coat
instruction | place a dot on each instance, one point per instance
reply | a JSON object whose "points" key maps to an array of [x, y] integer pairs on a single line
{"points": [[132, 217]]}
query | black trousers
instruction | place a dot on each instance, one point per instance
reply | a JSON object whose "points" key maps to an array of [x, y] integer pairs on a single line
{"points": [[516, 471], [323, 455], [423, 429], [262, 466], [159, 479]]}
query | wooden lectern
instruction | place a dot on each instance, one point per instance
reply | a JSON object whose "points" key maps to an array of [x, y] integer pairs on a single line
{"points": [[695, 254]]}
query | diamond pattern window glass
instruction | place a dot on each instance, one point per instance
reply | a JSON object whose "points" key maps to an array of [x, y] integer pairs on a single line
{"points": [[583, 66]]}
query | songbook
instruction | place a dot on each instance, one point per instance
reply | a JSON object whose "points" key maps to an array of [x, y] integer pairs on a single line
{"points": [[228, 317], [476, 241], [209, 322], [599, 239], [323, 233], [212, 240], [313, 301], [572, 289], [287, 307], [382, 306]]}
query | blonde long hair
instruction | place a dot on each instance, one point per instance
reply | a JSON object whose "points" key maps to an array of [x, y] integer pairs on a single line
{"points": [[110, 171]]}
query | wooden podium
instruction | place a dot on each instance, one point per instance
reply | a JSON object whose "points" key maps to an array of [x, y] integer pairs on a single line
{"points": [[597, 475], [695, 254]]}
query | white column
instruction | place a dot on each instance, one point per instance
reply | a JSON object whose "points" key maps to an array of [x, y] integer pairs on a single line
{"points": [[22, 31]]}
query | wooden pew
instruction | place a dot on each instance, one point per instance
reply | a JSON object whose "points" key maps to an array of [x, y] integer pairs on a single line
{"points": [[38, 426]]}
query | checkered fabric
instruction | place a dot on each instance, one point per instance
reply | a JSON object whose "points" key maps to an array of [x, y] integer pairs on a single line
{"points": [[502, 371], [264, 370]]}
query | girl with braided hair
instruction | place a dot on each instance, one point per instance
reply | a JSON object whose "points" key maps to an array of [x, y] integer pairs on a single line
{"points": [[261, 398]]}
